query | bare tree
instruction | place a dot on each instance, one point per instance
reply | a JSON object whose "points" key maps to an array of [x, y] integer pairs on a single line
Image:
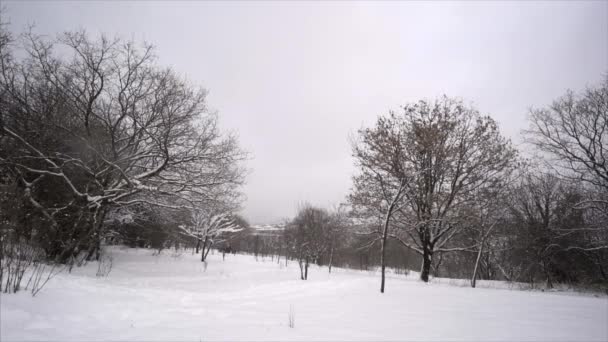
{"points": [[339, 223], [573, 133], [380, 185], [107, 128], [438, 154], [486, 212], [209, 229], [308, 235], [542, 215]]}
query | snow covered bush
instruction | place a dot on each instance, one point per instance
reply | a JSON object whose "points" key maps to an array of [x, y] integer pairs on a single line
{"points": [[21, 262], [15, 259]]}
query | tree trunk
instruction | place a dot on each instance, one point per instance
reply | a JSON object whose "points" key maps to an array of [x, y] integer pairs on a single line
{"points": [[331, 257], [427, 259], [438, 265], [301, 268], [198, 244], [383, 257], [306, 269], [2, 258], [387, 220], [544, 265], [92, 248], [474, 277], [98, 247], [205, 249], [601, 268], [208, 250], [95, 248]]}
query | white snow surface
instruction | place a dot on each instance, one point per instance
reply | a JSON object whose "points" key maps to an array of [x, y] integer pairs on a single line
{"points": [[175, 297]]}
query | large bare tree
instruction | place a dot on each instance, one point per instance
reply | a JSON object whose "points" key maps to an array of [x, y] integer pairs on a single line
{"points": [[428, 163]]}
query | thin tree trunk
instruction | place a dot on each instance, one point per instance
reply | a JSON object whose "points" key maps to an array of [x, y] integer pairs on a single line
{"points": [[98, 248], [95, 249], [474, 277], [387, 220], [548, 275], [205, 249], [484, 236], [208, 250], [601, 268], [504, 273], [331, 257], [383, 255], [306, 269], [437, 267], [1, 258]]}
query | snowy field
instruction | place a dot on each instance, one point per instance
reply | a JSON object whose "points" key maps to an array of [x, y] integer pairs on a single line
{"points": [[171, 297]]}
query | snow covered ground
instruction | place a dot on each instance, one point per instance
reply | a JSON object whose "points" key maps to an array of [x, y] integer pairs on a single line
{"points": [[170, 297]]}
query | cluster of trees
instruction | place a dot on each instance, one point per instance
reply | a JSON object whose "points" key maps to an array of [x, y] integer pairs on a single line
{"points": [[313, 234], [318, 236], [438, 184], [98, 143], [439, 179]]}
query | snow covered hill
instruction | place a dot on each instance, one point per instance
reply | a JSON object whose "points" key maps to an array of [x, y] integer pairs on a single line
{"points": [[175, 297]]}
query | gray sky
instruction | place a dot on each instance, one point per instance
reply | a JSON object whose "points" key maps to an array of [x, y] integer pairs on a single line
{"points": [[295, 79]]}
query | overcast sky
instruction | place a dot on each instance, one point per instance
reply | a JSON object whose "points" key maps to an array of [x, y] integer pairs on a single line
{"points": [[294, 80]]}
